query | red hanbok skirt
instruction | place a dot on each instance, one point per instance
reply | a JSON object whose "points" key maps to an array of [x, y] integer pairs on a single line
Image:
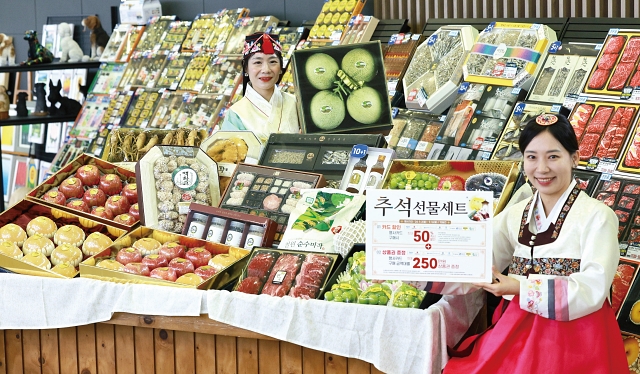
{"points": [[523, 342]]}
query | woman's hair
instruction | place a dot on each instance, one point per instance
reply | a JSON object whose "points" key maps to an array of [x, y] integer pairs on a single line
{"points": [[561, 129], [263, 43]]}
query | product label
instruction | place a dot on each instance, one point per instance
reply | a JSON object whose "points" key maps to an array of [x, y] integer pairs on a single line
{"points": [[196, 229], [500, 51], [252, 241], [356, 179], [214, 234], [185, 178], [233, 238], [279, 277], [373, 179]]}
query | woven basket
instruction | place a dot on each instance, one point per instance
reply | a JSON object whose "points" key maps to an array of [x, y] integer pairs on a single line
{"points": [[436, 168], [500, 167]]}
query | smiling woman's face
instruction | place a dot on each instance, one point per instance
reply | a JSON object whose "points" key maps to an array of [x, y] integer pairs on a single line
{"points": [[264, 71]]}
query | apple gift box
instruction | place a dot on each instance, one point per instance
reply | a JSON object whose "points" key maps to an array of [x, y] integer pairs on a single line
{"points": [[127, 177], [89, 268], [24, 211]]}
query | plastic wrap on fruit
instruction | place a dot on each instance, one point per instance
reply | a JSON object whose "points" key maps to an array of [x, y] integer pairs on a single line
{"points": [[357, 265], [406, 296], [451, 183], [375, 294], [343, 292]]}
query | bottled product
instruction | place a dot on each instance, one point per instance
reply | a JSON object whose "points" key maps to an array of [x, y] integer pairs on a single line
{"points": [[357, 175], [234, 235], [254, 237], [196, 227], [375, 175], [216, 228]]}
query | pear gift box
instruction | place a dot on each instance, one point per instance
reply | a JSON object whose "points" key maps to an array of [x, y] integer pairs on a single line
{"points": [[345, 89]]}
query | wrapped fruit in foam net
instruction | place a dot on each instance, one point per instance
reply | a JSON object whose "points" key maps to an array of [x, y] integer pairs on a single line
{"points": [[351, 234]]}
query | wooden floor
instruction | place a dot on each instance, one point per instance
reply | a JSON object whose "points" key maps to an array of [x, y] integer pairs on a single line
{"points": [[124, 346]]}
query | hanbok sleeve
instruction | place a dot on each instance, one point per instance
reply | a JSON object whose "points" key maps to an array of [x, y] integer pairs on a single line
{"points": [[232, 122], [565, 298]]}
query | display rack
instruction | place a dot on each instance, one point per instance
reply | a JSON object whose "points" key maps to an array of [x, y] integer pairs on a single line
{"points": [[593, 29], [557, 24]]}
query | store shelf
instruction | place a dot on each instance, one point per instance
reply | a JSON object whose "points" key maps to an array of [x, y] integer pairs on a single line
{"points": [[50, 66], [15, 121]]}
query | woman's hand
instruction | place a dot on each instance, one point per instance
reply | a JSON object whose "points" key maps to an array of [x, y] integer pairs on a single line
{"points": [[501, 285]]}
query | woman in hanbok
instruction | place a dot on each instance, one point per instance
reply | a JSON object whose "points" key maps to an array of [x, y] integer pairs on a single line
{"points": [[264, 109], [561, 250]]}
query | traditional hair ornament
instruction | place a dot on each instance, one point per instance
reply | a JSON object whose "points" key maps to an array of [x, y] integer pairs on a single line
{"points": [[261, 42], [546, 119]]}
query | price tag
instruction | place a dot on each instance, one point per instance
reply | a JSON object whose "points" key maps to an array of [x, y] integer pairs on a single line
{"points": [[635, 94], [633, 251], [555, 108], [439, 236], [226, 169], [626, 93], [519, 109], [403, 142], [464, 87], [555, 47], [422, 97], [432, 39], [607, 166], [614, 31]]}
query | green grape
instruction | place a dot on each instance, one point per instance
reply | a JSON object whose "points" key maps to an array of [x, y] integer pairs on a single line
{"points": [[393, 184], [401, 185], [433, 179], [401, 304], [373, 299], [338, 299], [421, 183], [383, 300], [337, 292], [414, 183], [427, 185], [328, 296], [414, 304], [363, 301]]}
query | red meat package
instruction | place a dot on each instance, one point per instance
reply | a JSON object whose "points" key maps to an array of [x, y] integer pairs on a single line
{"points": [[614, 44], [621, 284], [580, 118], [282, 275], [620, 75], [631, 51], [313, 271], [260, 265], [607, 61], [599, 79], [632, 159]]}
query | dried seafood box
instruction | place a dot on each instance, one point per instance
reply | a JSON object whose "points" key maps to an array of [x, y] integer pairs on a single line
{"points": [[334, 16], [507, 147], [88, 122], [268, 192], [622, 196], [324, 154], [283, 272], [152, 35], [113, 48], [173, 37], [478, 116], [345, 89], [435, 71], [414, 132], [564, 72], [108, 78], [508, 54], [602, 129], [616, 71], [246, 26], [174, 69], [397, 57], [289, 37]]}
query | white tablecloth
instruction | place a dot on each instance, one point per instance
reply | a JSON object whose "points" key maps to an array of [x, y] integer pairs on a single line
{"points": [[394, 340]]}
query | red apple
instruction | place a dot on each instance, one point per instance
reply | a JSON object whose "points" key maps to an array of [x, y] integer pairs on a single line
{"points": [[117, 205], [155, 261], [172, 250], [101, 211], [55, 197], [79, 205], [199, 256], [71, 187], [181, 266], [94, 197], [125, 219], [130, 191], [137, 268], [165, 273], [110, 184], [128, 255], [89, 175], [205, 272], [135, 211]]}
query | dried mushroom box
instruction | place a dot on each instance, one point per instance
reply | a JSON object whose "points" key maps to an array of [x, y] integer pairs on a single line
{"points": [[93, 189], [507, 147], [508, 54], [496, 176], [616, 70], [169, 179], [125, 261], [564, 72], [345, 89], [435, 71], [283, 272], [32, 227], [602, 129], [268, 192]]}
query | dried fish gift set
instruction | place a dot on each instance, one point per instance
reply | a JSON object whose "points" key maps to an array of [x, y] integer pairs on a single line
{"points": [[286, 272], [345, 88], [325, 154], [617, 66], [602, 129], [366, 168], [414, 132], [268, 192], [478, 115], [169, 179], [565, 72], [507, 148], [435, 71], [508, 54]]}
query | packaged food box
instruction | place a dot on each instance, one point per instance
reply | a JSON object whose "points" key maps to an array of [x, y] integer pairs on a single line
{"points": [[201, 28], [116, 41], [169, 179], [435, 71], [172, 38], [334, 16], [345, 89], [564, 72], [174, 69], [283, 272], [413, 132], [289, 37], [397, 57], [229, 227], [359, 29], [141, 108], [616, 71], [628, 314], [497, 176], [130, 43], [508, 54], [267, 192], [246, 26], [152, 35], [107, 78], [325, 154], [365, 168], [222, 28], [93, 189], [87, 125], [148, 70], [221, 77], [40, 223], [196, 70], [167, 256], [507, 147]]}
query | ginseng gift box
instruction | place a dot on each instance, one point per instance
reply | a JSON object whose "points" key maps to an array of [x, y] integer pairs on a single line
{"points": [[152, 248], [325, 154], [435, 71], [25, 212], [617, 65], [345, 89], [508, 54]]}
